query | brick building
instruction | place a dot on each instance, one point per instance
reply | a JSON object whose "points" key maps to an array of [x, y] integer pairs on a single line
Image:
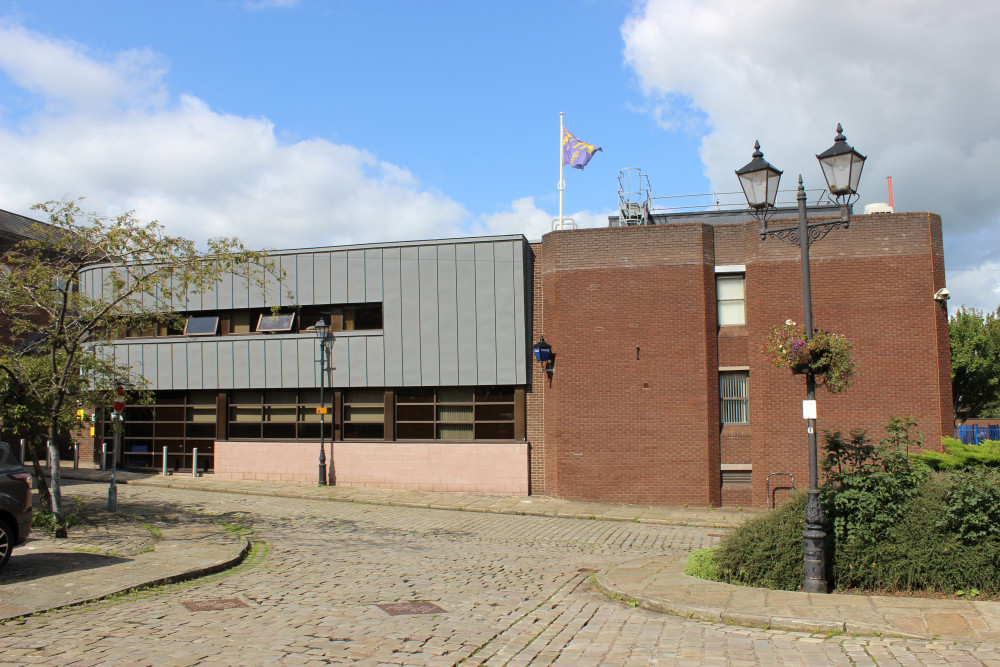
{"points": [[658, 392], [653, 399]]}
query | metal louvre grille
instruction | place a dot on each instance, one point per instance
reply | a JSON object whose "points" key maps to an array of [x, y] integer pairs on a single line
{"points": [[737, 478], [733, 392]]}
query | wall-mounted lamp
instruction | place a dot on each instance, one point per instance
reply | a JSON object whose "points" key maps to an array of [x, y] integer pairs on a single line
{"points": [[942, 295], [544, 356]]}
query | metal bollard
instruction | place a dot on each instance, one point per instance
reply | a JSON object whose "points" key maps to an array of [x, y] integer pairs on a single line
{"points": [[24, 446], [76, 455], [104, 455], [194, 464], [164, 461]]}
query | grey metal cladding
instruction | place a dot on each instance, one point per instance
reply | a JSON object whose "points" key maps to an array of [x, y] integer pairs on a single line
{"points": [[409, 269], [447, 300], [455, 312], [392, 316], [430, 342], [506, 312], [486, 314], [355, 276], [465, 304], [194, 365], [357, 348]]}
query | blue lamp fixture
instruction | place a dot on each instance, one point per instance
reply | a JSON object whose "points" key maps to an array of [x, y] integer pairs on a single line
{"points": [[543, 355]]}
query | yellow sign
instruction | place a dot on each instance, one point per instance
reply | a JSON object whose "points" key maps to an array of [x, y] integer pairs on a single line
{"points": [[79, 414], [92, 431], [321, 411]]}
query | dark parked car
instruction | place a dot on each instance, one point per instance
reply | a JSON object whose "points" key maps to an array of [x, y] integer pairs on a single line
{"points": [[15, 503]]}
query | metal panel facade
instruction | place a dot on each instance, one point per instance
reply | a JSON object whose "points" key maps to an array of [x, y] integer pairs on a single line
{"points": [[454, 313]]}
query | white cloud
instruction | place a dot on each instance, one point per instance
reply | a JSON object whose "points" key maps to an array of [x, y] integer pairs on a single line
{"points": [[524, 217], [109, 130], [915, 84]]}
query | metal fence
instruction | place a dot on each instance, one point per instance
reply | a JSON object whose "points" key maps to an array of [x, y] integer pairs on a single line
{"points": [[973, 434]]}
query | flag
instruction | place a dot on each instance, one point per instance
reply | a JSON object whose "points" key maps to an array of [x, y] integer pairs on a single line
{"points": [[575, 152]]}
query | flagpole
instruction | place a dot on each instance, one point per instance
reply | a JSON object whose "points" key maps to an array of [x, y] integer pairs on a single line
{"points": [[562, 182]]}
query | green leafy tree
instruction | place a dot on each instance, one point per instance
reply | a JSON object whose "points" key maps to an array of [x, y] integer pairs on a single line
{"points": [[54, 328], [975, 361]]}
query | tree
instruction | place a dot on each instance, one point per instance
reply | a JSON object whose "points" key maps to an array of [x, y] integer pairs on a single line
{"points": [[975, 361], [54, 328]]}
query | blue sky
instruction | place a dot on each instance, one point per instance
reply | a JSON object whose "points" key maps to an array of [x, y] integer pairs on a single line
{"points": [[299, 123]]}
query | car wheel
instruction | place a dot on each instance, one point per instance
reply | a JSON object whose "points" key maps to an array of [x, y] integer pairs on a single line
{"points": [[6, 542]]}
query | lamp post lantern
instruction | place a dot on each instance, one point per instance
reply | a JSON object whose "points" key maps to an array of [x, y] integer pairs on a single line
{"points": [[323, 333], [842, 167]]}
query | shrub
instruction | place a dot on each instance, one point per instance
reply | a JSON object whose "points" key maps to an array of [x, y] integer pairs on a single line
{"points": [[766, 551], [46, 521], [701, 564], [957, 456], [868, 485], [920, 551], [973, 505]]}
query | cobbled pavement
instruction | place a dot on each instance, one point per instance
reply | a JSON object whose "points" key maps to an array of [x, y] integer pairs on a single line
{"points": [[516, 591]]}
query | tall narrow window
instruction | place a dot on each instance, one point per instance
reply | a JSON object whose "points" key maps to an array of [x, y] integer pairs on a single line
{"points": [[733, 394], [729, 290]]}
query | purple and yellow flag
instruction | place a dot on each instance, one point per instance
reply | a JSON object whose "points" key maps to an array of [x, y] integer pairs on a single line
{"points": [[575, 152]]}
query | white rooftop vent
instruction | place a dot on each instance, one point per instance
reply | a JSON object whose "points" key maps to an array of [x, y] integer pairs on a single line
{"points": [[879, 207]]}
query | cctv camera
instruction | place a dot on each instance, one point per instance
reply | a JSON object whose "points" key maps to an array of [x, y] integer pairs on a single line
{"points": [[942, 294]]}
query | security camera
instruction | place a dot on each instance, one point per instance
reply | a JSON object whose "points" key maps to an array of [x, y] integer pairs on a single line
{"points": [[942, 294]]}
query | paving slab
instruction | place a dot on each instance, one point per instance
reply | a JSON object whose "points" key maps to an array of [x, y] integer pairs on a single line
{"points": [[660, 584]]}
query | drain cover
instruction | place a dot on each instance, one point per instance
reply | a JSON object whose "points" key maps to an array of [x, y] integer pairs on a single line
{"points": [[401, 608], [213, 605]]}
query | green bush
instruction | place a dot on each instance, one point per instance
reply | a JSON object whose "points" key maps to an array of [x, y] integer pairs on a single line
{"points": [[46, 521], [957, 456], [869, 485], [973, 505], [766, 551], [921, 552], [701, 564]]}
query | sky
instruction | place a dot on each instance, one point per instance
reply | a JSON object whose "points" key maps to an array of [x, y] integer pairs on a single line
{"points": [[303, 123]]}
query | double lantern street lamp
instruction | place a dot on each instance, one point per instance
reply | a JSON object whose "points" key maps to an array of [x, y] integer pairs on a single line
{"points": [[842, 167], [323, 334]]}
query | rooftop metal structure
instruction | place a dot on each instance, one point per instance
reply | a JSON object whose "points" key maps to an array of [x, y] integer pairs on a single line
{"points": [[638, 206]]}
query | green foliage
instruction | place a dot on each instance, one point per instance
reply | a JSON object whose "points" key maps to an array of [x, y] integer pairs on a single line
{"points": [[47, 522], [828, 355], [920, 552], [868, 485], [958, 456], [701, 564], [975, 361], [766, 551], [972, 512]]}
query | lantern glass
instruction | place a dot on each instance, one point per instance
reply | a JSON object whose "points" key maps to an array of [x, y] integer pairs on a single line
{"points": [[841, 166], [759, 180], [542, 350]]}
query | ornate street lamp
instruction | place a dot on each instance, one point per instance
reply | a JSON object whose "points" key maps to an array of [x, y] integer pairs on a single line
{"points": [[842, 167], [759, 180], [323, 334]]}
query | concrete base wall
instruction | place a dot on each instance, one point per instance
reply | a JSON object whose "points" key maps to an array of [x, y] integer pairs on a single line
{"points": [[487, 468]]}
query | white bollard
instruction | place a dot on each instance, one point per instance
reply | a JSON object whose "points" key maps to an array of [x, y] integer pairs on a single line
{"points": [[164, 461], [194, 463]]}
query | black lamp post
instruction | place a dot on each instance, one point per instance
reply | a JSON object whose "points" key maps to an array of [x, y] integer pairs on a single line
{"points": [[842, 167], [323, 333]]}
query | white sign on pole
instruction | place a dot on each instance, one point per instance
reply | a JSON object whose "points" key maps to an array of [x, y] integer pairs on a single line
{"points": [[809, 409]]}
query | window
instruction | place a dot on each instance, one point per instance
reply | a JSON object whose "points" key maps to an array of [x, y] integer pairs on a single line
{"points": [[729, 290], [455, 413], [280, 322], [178, 421], [277, 414], [364, 414], [201, 326], [733, 394]]}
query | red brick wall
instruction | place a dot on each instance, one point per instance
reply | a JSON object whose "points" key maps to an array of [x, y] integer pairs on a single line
{"points": [[646, 430]]}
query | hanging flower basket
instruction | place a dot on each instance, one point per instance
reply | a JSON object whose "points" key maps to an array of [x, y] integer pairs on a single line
{"points": [[826, 354]]}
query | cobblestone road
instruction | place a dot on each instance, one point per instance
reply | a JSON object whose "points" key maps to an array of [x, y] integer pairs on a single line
{"points": [[515, 590]]}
